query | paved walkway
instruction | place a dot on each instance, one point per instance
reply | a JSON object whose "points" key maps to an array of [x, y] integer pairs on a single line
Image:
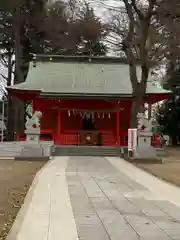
{"points": [[98, 198]]}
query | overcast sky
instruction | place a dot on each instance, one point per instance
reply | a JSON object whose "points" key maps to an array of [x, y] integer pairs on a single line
{"points": [[102, 7]]}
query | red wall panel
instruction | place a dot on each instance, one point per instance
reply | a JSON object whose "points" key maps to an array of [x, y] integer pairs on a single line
{"points": [[70, 120]]}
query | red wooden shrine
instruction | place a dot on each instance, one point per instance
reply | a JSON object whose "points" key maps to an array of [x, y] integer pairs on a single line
{"points": [[63, 90], [64, 119]]}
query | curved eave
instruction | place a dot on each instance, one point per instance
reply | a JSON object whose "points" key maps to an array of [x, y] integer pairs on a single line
{"points": [[157, 97], [32, 94], [24, 94], [154, 97], [84, 95]]}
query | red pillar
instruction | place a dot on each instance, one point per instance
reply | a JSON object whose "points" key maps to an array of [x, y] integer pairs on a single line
{"points": [[59, 127], [118, 128], [59, 122]]}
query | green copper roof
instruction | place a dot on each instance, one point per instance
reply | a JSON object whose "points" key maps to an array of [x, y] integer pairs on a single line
{"points": [[78, 78]]}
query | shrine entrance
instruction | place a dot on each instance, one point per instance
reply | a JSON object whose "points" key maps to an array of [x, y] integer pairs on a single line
{"points": [[89, 135], [88, 123]]}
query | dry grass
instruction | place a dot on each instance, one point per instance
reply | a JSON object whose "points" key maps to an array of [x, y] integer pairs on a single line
{"points": [[15, 180], [169, 171]]}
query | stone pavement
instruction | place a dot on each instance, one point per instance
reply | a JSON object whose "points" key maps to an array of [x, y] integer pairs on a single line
{"points": [[98, 198]]}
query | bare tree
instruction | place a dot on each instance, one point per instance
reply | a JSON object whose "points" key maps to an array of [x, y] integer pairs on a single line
{"points": [[135, 25], [137, 45], [147, 32]]}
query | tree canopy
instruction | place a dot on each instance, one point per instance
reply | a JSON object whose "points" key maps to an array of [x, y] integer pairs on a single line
{"points": [[42, 26], [78, 30], [145, 32], [148, 35], [168, 113]]}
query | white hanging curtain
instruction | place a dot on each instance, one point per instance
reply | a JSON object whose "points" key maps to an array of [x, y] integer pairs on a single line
{"points": [[88, 115]]}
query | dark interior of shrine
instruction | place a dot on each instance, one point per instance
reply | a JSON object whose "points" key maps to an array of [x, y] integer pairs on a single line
{"points": [[88, 124]]}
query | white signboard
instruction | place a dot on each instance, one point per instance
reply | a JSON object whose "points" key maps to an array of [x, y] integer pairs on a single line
{"points": [[32, 138], [132, 139]]}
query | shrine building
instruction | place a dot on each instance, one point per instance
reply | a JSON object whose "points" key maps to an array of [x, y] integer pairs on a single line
{"points": [[84, 100]]}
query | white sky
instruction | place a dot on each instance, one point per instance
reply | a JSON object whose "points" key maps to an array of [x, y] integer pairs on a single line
{"points": [[102, 7], [3, 71]]}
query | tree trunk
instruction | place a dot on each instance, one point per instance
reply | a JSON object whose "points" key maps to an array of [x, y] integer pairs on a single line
{"points": [[139, 92], [10, 103], [137, 104], [10, 68], [10, 119], [15, 107], [19, 78], [149, 111], [174, 140], [18, 48], [20, 123], [134, 112]]}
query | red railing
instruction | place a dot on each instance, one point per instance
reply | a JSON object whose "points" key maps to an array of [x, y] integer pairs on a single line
{"points": [[123, 140], [68, 139], [20, 137], [108, 139]]}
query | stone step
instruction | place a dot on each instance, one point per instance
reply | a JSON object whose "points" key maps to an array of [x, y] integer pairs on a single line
{"points": [[15, 149], [9, 153], [85, 154], [86, 151]]}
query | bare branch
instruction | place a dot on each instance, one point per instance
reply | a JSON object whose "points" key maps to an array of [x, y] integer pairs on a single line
{"points": [[151, 7], [3, 76], [137, 10]]}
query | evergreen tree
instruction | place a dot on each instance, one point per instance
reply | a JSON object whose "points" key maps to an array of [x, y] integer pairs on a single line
{"points": [[20, 23], [38, 26], [93, 33], [17, 19], [172, 80], [76, 32], [168, 114]]}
